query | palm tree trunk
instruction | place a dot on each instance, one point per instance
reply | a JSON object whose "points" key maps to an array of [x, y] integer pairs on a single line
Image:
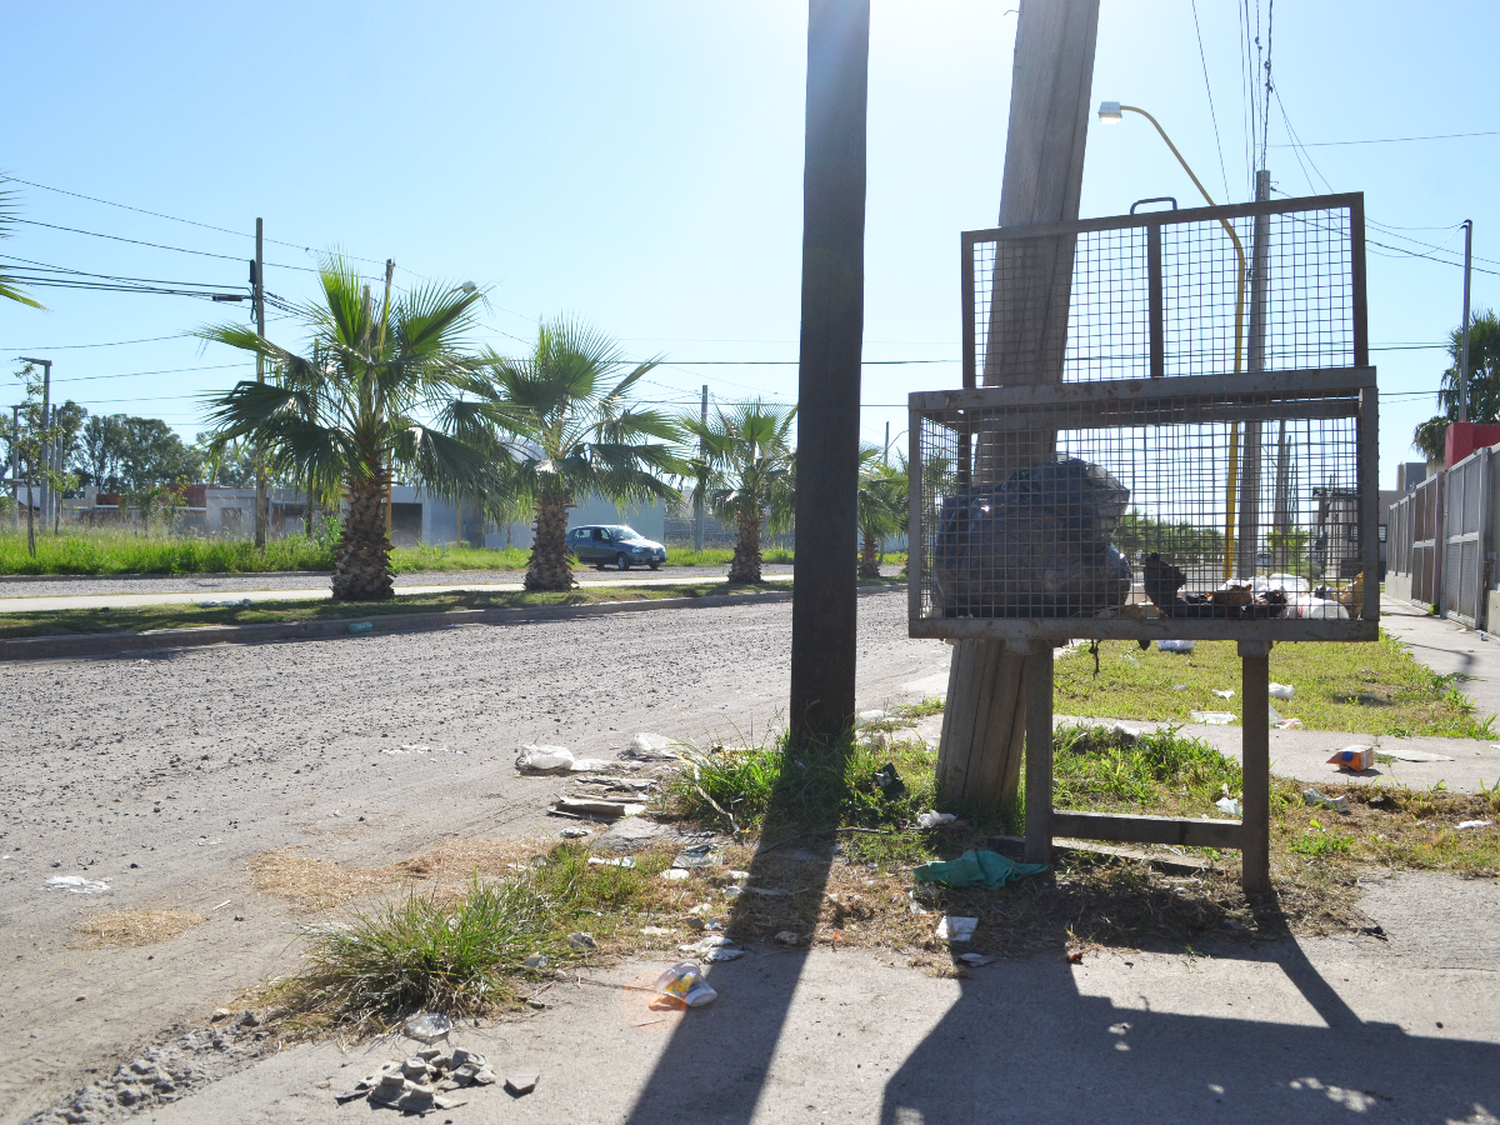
{"points": [[548, 569], [362, 561], [869, 557], [745, 566]]}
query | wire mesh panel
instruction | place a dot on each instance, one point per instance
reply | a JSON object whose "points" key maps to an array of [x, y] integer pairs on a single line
{"points": [[1273, 286], [1119, 509]]}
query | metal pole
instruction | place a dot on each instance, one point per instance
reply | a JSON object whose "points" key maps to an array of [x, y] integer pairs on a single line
{"points": [[385, 316], [1260, 257], [15, 464], [824, 609], [1463, 359], [44, 494], [698, 501], [260, 377]]}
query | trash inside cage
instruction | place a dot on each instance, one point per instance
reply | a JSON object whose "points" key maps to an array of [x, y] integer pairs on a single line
{"points": [[1201, 506]]}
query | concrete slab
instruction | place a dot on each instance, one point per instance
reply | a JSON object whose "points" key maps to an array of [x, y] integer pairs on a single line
{"points": [[1449, 648], [1311, 1030]]}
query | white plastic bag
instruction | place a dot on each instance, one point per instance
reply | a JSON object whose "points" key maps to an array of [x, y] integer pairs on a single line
{"points": [[545, 759], [1175, 646]]}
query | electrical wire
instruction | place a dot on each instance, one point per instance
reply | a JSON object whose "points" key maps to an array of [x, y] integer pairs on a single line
{"points": [[1212, 114], [105, 344], [1393, 140]]}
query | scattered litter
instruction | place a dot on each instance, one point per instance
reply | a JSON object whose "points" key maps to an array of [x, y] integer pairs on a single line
{"points": [[740, 876], [1281, 691], [1309, 607], [535, 961], [791, 937], [1475, 824], [582, 942], [770, 892], [976, 869], [361, 627], [715, 948], [545, 759], [1129, 657], [619, 861], [1288, 724], [684, 981], [574, 833], [934, 819], [1226, 693], [77, 885], [889, 782], [590, 806], [977, 960], [1385, 755], [1213, 718], [1354, 758], [866, 718], [519, 1085], [1175, 646], [649, 748], [1273, 715], [955, 929], [429, 1027], [1229, 806], [657, 931], [238, 603], [913, 905], [1179, 687], [1337, 804], [676, 874], [699, 855]]}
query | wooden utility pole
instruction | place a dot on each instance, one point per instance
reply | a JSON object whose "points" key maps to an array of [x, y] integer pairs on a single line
{"points": [[979, 758], [260, 377], [833, 308]]}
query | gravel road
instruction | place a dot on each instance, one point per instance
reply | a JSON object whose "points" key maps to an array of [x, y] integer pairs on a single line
{"points": [[26, 586], [163, 775]]}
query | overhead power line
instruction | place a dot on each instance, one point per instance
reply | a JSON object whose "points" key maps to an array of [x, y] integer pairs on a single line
{"points": [[1389, 140]]}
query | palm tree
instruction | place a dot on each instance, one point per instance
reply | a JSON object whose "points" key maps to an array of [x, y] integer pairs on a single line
{"points": [[1484, 383], [881, 506], [573, 434], [10, 289], [349, 416], [747, 473]]}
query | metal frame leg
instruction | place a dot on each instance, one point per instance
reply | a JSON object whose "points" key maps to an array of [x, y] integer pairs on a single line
{"points": [[1255, 748], [1039, 753]]}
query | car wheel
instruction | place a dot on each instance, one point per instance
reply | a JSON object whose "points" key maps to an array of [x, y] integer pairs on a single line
{"points": [[622, 563], [655, 566]]}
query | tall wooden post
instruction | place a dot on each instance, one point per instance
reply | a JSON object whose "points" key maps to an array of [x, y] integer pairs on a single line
{"points": [[979, 758], [833, 280]]}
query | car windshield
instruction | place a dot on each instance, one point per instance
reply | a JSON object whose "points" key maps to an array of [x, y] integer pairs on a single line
{"points": [[623, 533]]}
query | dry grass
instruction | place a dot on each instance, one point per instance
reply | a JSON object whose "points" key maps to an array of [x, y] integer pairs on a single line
{"points": [[138, 927]]}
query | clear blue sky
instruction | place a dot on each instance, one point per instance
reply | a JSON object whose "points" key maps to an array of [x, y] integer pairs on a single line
{"points": [[639, 164]]}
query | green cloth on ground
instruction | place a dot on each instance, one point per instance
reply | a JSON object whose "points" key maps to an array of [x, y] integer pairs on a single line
{"points": [[976, 869]]}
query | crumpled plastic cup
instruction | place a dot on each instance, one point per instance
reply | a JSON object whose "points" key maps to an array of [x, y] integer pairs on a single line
{"points": [[428, 1026], [684, 981]]}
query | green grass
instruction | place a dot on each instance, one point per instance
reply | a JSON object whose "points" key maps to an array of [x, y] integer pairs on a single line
{"points": [[135, 619], [114, 551], [1358, 688], [464, 954], [1163, 772]]}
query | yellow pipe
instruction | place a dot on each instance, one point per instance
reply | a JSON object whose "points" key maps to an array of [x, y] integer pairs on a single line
{"points": [[1239, 328]]}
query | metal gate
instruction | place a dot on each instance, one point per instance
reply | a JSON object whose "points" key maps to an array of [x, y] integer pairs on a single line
{"points": [[1462, 595], [1427, 541]]}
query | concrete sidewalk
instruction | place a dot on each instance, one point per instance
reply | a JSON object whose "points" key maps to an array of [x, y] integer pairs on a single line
{"points": [[1448, 648], [189, 597], [1307, 1030]]}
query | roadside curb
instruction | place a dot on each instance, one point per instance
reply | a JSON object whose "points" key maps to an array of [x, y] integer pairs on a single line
{"points": [[110, 644]]}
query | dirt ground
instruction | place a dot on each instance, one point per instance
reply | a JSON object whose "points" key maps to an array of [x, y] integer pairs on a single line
{"points": [[160, 776]]}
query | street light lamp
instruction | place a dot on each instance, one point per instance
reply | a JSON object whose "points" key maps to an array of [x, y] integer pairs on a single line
{"points": [[1112, 113]]}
